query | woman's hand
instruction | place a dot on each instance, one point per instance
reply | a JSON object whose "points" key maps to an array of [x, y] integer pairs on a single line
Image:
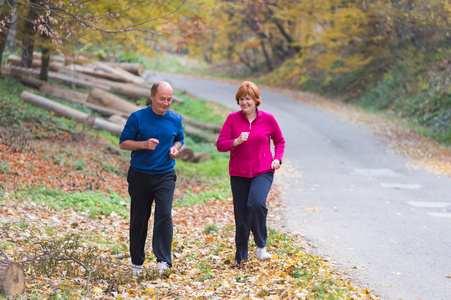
{"points": [[242, 138], [275, 165]]}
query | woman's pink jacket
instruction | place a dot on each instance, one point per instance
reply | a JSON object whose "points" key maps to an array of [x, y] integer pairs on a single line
{"points": [[252, 157]]}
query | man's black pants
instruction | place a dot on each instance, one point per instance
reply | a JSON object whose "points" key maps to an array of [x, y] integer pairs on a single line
{"points": [[143, 190]]}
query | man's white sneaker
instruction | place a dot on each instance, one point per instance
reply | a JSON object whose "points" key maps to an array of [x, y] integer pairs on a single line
{"points": [[137, 269], [162, 266], [262, 254]]}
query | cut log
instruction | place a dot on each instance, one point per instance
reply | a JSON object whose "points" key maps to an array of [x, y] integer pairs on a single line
{"points": [[20, 71], [134, 68], [36, 63], [12, 278], [53, 90], [186, 153], [129, 77], [196, 132], [77, 59], [201, 157], [69, 112], [68, 95], [117, 120], [97, 73], [105, 99], [54, 58], [129, 90]]}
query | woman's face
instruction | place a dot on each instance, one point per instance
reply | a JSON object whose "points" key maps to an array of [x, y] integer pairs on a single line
{"points": [[247, 104]]}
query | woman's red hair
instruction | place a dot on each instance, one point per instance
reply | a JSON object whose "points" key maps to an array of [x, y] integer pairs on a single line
{"points": [[251, 89]]}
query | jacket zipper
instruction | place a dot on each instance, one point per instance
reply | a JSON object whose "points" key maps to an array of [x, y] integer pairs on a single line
{"points": [[250, 154]]}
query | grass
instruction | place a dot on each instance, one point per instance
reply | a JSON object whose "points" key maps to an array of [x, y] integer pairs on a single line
{"points": [[201, 110], [93, 204], [191, 198]]}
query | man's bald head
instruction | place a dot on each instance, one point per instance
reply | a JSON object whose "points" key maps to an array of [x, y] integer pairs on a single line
{"points": [[156, 86]]}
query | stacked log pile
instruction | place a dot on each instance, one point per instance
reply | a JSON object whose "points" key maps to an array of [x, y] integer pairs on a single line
{"points": [[108, 85]]}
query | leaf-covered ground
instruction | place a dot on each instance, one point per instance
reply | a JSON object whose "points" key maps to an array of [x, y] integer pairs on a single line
{"points": [[68, 254]]}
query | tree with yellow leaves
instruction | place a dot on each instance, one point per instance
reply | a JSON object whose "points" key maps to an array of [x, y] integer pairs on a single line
{"points": [[73, 25]]}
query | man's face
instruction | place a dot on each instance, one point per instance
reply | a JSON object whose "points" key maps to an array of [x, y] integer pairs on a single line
{"points": [[162, 100]]}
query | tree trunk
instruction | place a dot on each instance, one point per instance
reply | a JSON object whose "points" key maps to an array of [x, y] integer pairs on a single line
{"points": [[12, 278], [69, 112], [267, 58], [45, 62], [5, 15], [105, 99], [29, 35], [282, 30]]}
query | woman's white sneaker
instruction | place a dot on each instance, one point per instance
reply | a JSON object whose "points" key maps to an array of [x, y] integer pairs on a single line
{"points": [[262, 254], [162, 266]]}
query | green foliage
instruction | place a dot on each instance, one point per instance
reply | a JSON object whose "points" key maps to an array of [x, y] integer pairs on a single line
{"points": [[190, 198], [213, 170], [209, 228], [201, 110], [5, 167], [21, 121], [92, 203], [416, 88]]}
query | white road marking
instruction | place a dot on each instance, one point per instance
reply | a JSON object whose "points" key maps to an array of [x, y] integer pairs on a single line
{"points": [[401, 186], [376, 172], [429, 204], [440, 215]]}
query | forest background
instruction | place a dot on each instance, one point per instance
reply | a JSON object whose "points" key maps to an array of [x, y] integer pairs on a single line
{"points": [[386, 56]]}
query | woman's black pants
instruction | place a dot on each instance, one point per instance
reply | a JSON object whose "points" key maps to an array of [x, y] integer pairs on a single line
{"points": [[249, 206]]}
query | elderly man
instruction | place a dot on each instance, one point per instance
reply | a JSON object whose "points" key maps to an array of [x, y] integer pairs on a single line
{"points": [[154, 135]]}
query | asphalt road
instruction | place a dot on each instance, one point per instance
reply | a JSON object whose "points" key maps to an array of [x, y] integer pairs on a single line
{"points": [[387, 224]]}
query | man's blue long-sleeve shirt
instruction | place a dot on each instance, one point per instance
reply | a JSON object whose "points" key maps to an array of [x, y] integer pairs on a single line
{"points": [[145, 124]]}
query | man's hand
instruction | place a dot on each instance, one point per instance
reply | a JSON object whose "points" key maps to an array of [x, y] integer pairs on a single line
{"points": [[173, 152], [150, 144]]}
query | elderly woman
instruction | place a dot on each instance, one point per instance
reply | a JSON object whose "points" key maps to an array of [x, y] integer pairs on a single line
{"points": [[247, 134]]}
